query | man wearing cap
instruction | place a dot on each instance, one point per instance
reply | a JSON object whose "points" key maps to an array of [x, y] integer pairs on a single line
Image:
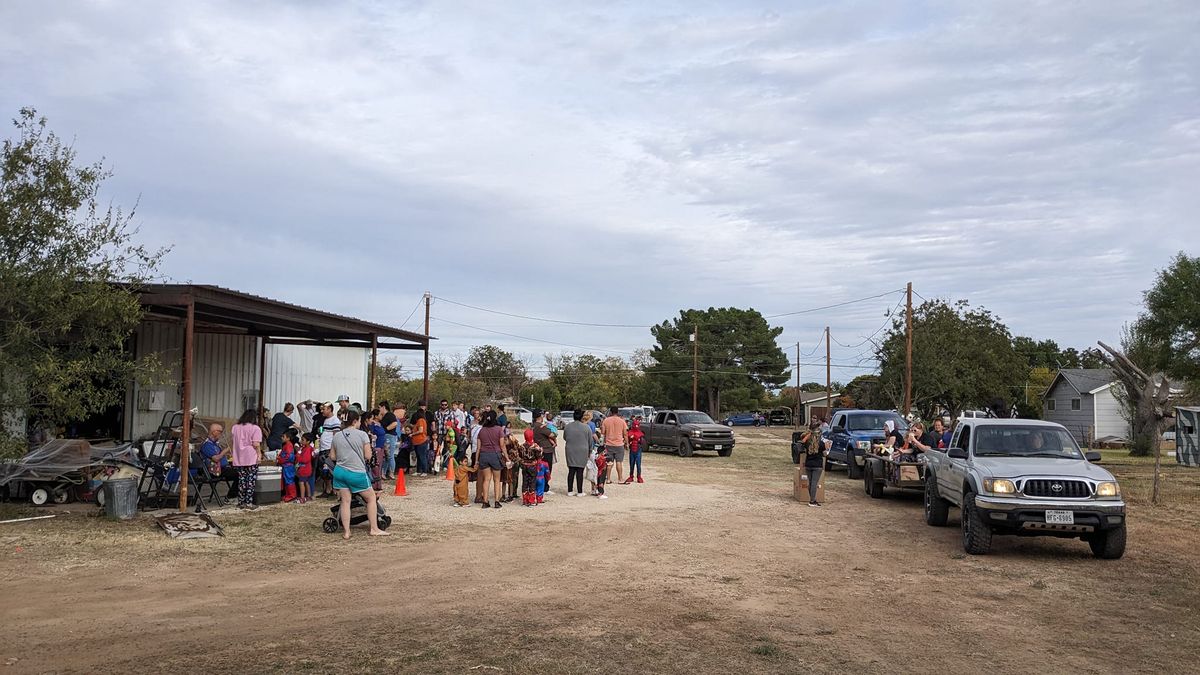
{"points": [[343, 402]]}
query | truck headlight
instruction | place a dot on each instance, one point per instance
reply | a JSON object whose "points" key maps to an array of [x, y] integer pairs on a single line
{"points": [[1108, 489], [1000, 486], [863, 445], [695, 433]]}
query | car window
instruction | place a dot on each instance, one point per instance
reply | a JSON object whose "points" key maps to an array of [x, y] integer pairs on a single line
{"points": [[839, 421], [964, 437], [671, 417], [874, 421], [1025, 441], [695, 418]]}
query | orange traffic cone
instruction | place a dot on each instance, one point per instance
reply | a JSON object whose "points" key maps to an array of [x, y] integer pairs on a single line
{"points": [[400, 490], [450, 471]]}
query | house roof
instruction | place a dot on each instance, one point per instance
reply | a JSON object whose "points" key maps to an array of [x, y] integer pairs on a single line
{"points": [[811, 396], [1083, 380], [223, 310]]}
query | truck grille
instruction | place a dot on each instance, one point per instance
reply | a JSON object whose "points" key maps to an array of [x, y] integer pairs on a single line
{"points": [[717, 435], [1068, 489]]}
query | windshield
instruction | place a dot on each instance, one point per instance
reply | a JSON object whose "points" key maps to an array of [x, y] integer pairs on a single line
{"points": [[694, 418], [1031, 441], [873, 422]]}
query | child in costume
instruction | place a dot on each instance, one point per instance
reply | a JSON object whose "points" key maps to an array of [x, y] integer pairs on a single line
{"points": [[542, 475], [451, 441], [531, 455], [305, 477], [601, 474], [636, 437], [287, 463], [463, 475]]}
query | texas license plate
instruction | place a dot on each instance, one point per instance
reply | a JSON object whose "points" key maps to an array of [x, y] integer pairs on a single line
{"points": [[718, 447], [1060, 517]]}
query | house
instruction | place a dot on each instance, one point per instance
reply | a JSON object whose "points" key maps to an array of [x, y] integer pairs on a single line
{"points": [[816, 405], [1084, 401]]}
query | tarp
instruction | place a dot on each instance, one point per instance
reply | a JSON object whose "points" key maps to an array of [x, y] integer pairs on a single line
{"points": [[66, 459]]}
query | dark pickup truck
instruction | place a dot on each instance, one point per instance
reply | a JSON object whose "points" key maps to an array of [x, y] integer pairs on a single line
{"points": [[686, 431]]}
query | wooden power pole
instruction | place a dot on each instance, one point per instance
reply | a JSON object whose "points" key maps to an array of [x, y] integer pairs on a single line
{"points": [[425, 383], [696, 367], [828, 377], [908, 350], [796, 416]]}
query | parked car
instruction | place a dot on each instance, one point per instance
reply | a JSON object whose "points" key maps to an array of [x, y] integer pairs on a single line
{"points": [[1023, 477], [779, 417], [852, 432], [741, 419], [686, 431], [523, 414], [563, 418]]}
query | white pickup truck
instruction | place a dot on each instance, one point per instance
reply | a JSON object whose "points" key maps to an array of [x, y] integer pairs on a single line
{"points": [[1023, 477]]}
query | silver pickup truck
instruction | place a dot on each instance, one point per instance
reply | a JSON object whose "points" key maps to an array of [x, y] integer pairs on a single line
{"points": [[1023, 477]]}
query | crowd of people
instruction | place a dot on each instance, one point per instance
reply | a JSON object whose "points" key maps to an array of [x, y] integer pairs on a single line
{"points": [[338, 450]]}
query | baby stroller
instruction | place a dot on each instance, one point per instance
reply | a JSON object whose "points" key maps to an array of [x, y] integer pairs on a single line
{"points": [[358, 515]]}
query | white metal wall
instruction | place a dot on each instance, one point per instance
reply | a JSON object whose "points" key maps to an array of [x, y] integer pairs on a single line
{"points": [[297, 372], [224, 369]]}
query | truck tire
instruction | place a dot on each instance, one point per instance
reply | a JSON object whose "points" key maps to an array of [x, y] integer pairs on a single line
{"points": [[726, 452], [937, 510], [795, 454], [853, 470], [873, 488], [685, 448], [1108, 545], [976, 534]]}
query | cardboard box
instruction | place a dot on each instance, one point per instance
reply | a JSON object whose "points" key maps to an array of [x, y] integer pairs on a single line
{"points": [[910, 472], [800, 486]]}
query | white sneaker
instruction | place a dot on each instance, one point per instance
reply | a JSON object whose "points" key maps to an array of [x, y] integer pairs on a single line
{"points": [[548, 492], [570, 494], [603, 496], [578, 494]]}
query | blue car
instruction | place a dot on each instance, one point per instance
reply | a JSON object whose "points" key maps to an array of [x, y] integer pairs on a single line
{"points": [[742, 419], [852, 433]]}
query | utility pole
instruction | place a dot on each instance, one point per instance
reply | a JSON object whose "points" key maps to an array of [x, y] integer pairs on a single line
{"points": [[828, 377], [796, 417], [695, 366], [908, 351], [425, 383]]}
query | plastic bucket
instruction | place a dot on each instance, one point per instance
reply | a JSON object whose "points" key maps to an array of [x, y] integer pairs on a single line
{"points": [[121, 498]]}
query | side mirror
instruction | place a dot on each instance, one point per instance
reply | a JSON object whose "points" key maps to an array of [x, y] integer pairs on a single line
{"points": [[956, 453], [1093, 456]]}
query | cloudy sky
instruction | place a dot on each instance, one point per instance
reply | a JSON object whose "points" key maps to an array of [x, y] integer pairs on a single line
{"points": [[613, 163]]}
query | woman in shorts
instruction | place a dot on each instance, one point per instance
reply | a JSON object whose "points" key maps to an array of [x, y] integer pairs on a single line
{"points": [[352, 450], [489, 460]]}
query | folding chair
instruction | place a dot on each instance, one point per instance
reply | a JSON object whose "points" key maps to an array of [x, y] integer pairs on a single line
{"points": [[202, 476]]}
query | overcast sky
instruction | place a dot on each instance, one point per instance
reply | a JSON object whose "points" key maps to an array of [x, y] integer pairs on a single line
{"points": [[615, 164]]}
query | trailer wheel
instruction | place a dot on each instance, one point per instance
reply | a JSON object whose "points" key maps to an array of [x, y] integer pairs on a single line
{"points": [[853, 470], [39, 496], [873, 487], [60, 495]]}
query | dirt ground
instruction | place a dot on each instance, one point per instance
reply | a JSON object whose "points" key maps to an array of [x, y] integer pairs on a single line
{"points": [[709, 566]]}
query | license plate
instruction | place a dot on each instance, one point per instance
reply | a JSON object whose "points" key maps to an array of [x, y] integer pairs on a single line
{"points": [[1060, 517], [718, 447]]}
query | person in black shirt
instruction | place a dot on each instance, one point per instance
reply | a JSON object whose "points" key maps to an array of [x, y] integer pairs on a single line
{"points": [[280, 423], [391, 427]]}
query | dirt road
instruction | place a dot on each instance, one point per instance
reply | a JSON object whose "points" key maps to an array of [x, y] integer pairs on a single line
{"points": [[708, 567]]}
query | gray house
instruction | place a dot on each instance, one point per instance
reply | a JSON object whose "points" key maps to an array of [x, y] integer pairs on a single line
{"points": [[1083, 401]]}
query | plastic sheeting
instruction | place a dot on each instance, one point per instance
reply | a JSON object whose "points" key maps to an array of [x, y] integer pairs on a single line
{"points": [[66, 459]]}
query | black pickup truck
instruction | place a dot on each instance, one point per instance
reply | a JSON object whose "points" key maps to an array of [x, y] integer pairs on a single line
{"points": [[685, 431]]}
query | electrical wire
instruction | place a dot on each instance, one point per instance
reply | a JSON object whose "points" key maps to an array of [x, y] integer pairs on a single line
{"points": [[410, 314], [538, 318], [533, 339]]}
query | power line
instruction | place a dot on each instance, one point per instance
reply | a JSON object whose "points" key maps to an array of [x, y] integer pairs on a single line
{"points": [[410, 314], [538, 318], [839, 304], [532, 339]]}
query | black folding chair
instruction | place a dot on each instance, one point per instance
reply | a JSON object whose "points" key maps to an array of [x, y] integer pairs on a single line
{"points": [[201, 477]]}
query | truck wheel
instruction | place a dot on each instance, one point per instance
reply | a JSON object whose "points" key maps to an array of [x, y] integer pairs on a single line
{"points": [[726, 452], [873, 487], [937, 510], [976, 534], [1109, 545], [795, 454], [853, 470], [60, 495], [685, 449]]}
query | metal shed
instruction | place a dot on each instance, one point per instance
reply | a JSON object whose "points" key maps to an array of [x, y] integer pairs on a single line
{"points": [[1187, 436], [216, 343]]}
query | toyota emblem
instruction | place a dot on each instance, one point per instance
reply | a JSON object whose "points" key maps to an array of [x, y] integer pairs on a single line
{"points": [[1056, 487]]}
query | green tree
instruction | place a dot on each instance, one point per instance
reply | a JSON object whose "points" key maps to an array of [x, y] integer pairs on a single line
{"points": [[737, 356], [64, 320], [865, 392], [501, 372], [962, 357], [542, 394], [812, 387], [1170, 325]]}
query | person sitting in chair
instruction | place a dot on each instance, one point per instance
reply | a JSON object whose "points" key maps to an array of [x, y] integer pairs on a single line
{"points": [[218, 458]]}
